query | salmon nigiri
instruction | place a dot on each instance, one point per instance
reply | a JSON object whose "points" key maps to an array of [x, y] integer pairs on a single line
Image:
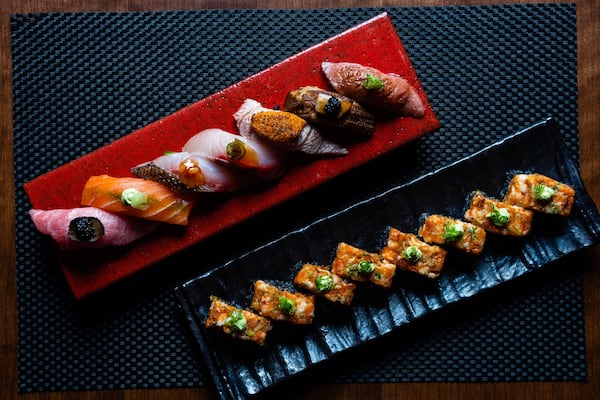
{"points": [[89, 227], [373, 88], [138, 198], [257, 156]]}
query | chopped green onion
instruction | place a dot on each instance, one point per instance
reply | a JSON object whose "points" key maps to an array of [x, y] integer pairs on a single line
{"points": [[236, 150], [286, 305], [453, 232], [236, 321], [499, 216], [366, 267], [323, 283], [413, 254], [542, 192], [133, 198], [372, 82]]}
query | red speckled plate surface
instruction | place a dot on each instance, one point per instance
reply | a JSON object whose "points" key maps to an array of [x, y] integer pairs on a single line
{"points": [[375, 43]]}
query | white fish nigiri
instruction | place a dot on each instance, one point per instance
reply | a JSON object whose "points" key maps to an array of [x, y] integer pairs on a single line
{"points": [[283, 129], [89, 227], [373, 88], [191, 172], [219, 145]]}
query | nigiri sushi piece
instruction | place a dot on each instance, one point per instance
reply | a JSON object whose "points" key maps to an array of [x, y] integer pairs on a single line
{"points": [[89, 227], [293, 133], [191, 172], [217, 144], [137, 197], [373, 88], [332, 110], [284, 130], [243, 118]]}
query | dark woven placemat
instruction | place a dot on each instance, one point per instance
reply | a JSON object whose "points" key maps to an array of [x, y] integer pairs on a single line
{"points": [[82, 80]]}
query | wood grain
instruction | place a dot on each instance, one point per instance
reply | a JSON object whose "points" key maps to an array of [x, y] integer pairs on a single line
{"points": [[588, 28]]}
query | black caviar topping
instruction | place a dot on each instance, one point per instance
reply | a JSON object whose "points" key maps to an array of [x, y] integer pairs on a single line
{"points": [[85, 229], [333, 106]]}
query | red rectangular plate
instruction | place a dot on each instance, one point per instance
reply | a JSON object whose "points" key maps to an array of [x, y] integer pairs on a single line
{"points": [[374, 42]]}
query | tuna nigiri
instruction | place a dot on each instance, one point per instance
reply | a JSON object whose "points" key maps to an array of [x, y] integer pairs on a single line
{"points": [[226, 147], [89, 227], [137, 197], [373, 88], [191, 172], [284, 129]]}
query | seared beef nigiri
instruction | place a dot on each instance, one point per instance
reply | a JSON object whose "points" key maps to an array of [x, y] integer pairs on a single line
{"points": [[373, 88], [332, 110]]}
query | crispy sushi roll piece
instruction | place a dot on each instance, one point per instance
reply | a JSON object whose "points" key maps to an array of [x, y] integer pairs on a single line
{"points": [[236, 322], [411, 254], [362, 266], [465, 236], [322, 282], [282, 305], [540, 193], [497, 216]]}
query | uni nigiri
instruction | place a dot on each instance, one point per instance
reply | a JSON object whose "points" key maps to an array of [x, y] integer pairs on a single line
{"points": [[190, 172], [137, 197], [284, 129], [217, 144], [371, 87], [89, 227]]}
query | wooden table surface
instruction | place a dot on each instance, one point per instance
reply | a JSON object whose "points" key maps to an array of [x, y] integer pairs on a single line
{"points": [[588, 35]]}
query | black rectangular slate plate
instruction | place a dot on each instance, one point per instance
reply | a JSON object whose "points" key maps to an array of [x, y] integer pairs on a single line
{"points": [[243, 370]]}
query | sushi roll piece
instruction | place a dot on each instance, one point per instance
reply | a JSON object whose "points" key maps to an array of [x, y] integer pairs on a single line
{"points": [[409, 253], [89, 227], [236, 322], [225, 147], [465, 236], [137, 197], [282, 305], [362, 266], [321, 282], [284, 130], [540, 193], [323, 108], [373, 88], [191, 172], [497, 216]]}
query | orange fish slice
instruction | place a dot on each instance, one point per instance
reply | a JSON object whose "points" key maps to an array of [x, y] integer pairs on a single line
{"points": [[137, 197]]}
